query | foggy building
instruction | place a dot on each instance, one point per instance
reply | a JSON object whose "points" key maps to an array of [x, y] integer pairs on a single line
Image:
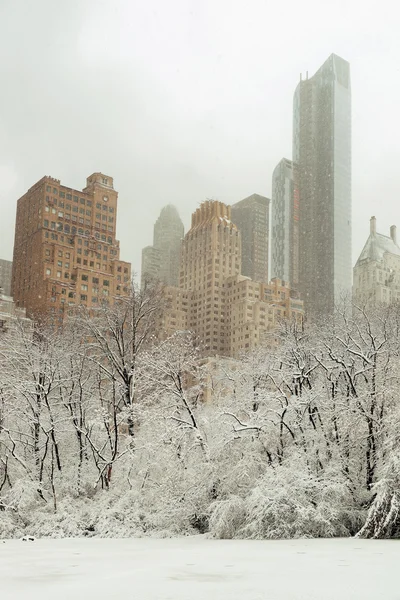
{"points": [[322, 184], [284, 224], [150, 264], [65, 248], [5, 276], [162, 260], [228, 311], [377, 270], [251, 216]]}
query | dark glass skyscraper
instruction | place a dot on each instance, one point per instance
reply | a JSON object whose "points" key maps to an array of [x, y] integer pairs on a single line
{"points": [[322, 185]]}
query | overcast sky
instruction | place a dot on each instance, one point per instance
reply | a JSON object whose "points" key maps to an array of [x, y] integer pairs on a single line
{"points": [[182, 100]]}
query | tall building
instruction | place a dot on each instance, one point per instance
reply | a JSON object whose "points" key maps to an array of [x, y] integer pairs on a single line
{"points": [[377, 270], [251, 216], [226, 310], [10, 315], [284, 225], [162, 260], [65, 249], [211, 252], [150, 264], [5, 276], [322, 184]]}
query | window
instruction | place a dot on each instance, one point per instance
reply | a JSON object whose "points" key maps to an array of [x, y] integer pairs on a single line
{"points": [[75, 198], [85, 278], [59, 263], [83, 297], [84, 287], [95, 280], [62, 194], [46, 223], [69, 196], [106, 282], [58, 273], [48, 271]]}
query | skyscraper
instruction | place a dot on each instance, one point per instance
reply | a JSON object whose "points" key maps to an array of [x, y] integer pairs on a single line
{"points": [[5, 276], [65, 250], [322, 184], [251, 216], [284, 252], [228, 311], [162, 260]]}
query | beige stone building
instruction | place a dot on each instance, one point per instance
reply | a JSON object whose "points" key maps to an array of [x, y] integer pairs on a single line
{"points": [[228, 312], [376, 275], [65, 248]]}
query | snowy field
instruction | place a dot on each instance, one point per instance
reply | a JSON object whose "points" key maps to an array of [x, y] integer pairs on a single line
{"points": [[199, 569]]}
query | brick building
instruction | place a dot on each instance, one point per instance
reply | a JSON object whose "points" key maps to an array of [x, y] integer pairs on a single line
{"points": [[65, 249]]}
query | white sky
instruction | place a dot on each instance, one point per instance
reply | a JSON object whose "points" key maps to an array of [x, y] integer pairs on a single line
{"points": [[180, 100]]}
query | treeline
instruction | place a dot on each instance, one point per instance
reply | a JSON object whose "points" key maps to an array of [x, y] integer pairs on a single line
{"points": [[105, 431]]}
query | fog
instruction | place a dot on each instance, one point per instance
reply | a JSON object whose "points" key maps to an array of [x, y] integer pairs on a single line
{"points": [[180, 100]]}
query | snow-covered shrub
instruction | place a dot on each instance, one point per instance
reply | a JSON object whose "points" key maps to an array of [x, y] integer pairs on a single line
{"points": [[227, 517]]}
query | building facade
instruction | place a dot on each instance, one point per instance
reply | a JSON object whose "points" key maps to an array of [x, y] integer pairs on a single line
{"points": [[10, 314], [227, 311], [150, 264], [251, 216], [376, 273], [5, 276], [284, 225], [162, 260], [65, 248], [322, 185]]}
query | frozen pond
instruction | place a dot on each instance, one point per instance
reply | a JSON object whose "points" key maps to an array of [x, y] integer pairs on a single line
{"points": [[199, 569]]}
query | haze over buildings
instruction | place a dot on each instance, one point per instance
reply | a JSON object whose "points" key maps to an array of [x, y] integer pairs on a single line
{"points": [[227, 311], [162, 260], [284, 251], [322, 185], [5, 276], [205, 112], [251, 216]]}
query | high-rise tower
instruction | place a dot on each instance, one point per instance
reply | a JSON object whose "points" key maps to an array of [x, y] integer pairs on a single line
{"points": [[211, 252], [65, 249], [322, 184], [251, 216], [162, 260], [284, 229]]}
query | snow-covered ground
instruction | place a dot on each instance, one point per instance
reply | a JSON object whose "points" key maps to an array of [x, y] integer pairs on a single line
{"points": [[199, 569]]}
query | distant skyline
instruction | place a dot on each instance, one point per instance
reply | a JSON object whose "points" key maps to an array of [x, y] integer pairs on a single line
{"points": [[183, 100]]}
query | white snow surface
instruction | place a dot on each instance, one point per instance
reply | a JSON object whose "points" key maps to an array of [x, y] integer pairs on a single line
{"points": [[197, 568]]}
